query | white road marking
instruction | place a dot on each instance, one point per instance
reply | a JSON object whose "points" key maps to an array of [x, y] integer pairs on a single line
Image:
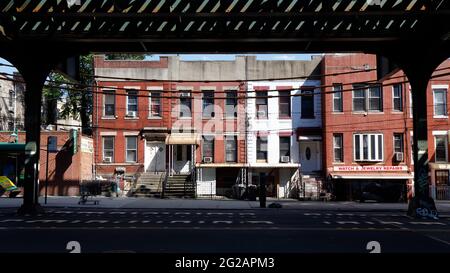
{"points": [[186, 213], [145, 221], [201, 222], [220, 213], [326, 222], [12, 220], [183, 222], [132, 222], [439, 240], [348, 222], [246, 213], [117, 212], [260, 222], [225, 222], [368, 222], [427, 223], [75, 222], [97, 221], [47, 221], [389, 223], [310, 214]]}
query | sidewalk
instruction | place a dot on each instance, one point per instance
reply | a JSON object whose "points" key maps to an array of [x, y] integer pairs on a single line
{"points": [[153, 203]]}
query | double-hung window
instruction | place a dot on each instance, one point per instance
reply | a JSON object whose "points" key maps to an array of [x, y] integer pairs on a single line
{"points": [[208, 148], [307, 104], [338, 148], [368, 147], [337, 98], [261, 104], [108, 149], [397, 98], [285, 146], [231, 104], [132, 103], [155, 104], [284, 103], [109, 106], [185, 104], [440, 102], [131, 148], [231, 148], [441, 146], [208, 104], [367, 98]]}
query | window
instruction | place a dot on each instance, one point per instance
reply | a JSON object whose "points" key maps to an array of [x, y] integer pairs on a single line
{"points": [[410, 104], [208, 104], [368, 147], [261, 149], [338, 148], [398, 143], [441, 148], [284, 103], [208, 147], [110, 103], [11, 99], [231, 104], [285, 146], [307, 104], [397, 98], [155, 104], [367, 98], [440, 102], [261, 104], [231, 148], [132, 103], [131, 152], [185, 104], [337, 98], [442, 178], [108, 149]]}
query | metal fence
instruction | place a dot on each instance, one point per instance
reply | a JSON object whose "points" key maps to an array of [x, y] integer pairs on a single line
{"points": [[440, 192]]}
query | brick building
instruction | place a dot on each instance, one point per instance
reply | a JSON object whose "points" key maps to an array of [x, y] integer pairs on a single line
{"points": [[66, 169], [368, 129], [189, 120]]}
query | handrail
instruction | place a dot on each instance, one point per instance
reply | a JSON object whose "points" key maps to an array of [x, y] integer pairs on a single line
{"points": [[166, 176]]}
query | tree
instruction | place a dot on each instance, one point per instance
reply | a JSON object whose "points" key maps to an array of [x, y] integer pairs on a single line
{"points": [[125, 56]]}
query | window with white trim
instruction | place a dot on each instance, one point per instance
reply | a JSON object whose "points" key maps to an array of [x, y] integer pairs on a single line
{"points": [[368, 147], [185, 104], [155, 104], [230, 104], [132, 103], [109, 106], [338, 148], [131, 145], [397, 98], [108, 149], [367, 98], [337, 98], [440, 102], [231, 148], [261, 104], [441, 152]]}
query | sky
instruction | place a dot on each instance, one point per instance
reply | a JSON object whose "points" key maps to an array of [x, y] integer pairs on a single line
{"points": [[201, 57]]}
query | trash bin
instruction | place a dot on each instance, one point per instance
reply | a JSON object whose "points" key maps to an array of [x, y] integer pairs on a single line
{"points": [[252, 192], [238, 191]]}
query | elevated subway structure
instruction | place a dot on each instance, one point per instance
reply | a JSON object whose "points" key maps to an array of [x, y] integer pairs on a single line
{"points": [[36, 36]]}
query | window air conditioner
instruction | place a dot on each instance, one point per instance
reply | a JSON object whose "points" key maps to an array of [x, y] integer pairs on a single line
{"points": [[398, 157], [207, 159], [131, 114], [261, 113], [107, 159], [285, 159]]}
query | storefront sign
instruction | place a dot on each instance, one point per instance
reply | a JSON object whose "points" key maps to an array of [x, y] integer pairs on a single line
{"points": [[370, 168]]}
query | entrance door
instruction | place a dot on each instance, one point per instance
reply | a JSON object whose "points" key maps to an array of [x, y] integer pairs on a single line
{"points": [[310, 156], [155, 157], [182, 155]]}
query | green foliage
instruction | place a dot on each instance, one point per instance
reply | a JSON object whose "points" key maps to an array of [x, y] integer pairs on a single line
{"points": [[124, 56]]}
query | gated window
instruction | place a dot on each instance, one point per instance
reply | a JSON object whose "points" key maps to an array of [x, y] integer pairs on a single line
{"points": [[131, 152], [185, 104], [368, 147], [208, 147], [440, 102], [109, 103], [338, 148], [230, 104], [261, 148], [208, 104], [155, 104], [440, 148], [307, 104], [261, 104], [132, 103], [337, 98], [231, 148], [397, 98], [284, 103], [108, 149], [442, 178]]}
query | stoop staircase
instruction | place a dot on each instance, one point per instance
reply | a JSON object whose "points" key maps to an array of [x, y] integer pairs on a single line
{"points": [[179, 185], [149, 185]]}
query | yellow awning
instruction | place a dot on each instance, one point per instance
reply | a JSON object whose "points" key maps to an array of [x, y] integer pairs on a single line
{"points": [[183, 139]]}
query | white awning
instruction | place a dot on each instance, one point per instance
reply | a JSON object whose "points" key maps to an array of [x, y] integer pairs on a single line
{"points": [[183, 139], [371, 175]]}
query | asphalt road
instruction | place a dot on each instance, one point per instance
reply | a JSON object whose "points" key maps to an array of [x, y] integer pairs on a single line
{"points": [[224, 231]]}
